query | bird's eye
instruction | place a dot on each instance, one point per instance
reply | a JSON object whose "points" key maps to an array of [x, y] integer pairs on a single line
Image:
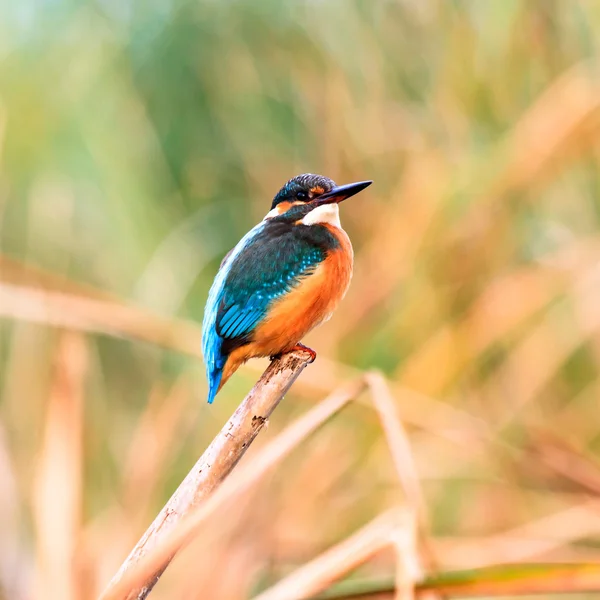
{"points": [[301, 195]]}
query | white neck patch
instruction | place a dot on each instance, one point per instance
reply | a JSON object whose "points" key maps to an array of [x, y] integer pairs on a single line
{"points": [[272, 213], [328, 213]]}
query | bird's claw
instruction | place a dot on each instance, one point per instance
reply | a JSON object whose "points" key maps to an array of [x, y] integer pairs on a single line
{"points": [[303, 348], [298, 346]]}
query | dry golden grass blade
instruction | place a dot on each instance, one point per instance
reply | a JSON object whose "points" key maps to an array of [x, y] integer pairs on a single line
{"points": [[528, 541], [502, 307], [471, 435], [30, 294], [535, 360], [418, 409], [60, 309], [532, 364], [400, 230], [408, 568], [58, 481], [231, 488], [565, 460], [553, 124], [13, 581], [397, 442], [560, 122], [394, 528], [503, 580], [578, 417], [443, 419], [406, 471], [520, 580], [26, 275]]}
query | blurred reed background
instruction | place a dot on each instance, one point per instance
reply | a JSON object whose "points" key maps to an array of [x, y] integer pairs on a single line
{"points": [[140, 140]]}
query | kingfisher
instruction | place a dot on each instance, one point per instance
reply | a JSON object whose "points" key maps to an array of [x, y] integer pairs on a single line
{"points": [[282, 279]]}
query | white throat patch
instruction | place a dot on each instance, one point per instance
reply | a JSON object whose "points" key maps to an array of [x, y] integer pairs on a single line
{"points": [[328, 213]]}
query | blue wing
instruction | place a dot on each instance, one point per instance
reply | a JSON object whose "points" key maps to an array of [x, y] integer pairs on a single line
{"points": [[264, 266], [212, 343]]}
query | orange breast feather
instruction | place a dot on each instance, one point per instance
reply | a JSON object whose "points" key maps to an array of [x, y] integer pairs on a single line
{"points": [[310, 303], [306, 306]]}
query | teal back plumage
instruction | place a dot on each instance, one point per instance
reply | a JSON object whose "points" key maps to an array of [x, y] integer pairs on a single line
{"points": [[265, 265]]}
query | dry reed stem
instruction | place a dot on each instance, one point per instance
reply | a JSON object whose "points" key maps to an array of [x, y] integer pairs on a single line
{"points": [[408, 569], [135, 574], [566, 461], [543, 579], [13, 557], [408, 476], [421, 410], [216, 463], [578, 416], [394, 528], [398, 443], [98, 315], [58, 481], [503, 580]]}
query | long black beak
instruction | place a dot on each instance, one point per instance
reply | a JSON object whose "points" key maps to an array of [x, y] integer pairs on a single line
{"points": [[341, 192]]}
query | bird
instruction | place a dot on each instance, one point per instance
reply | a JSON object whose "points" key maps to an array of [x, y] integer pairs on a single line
{"points": [[283, 278]]}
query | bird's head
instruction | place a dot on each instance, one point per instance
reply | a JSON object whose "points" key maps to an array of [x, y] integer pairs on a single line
{"points": [[307, 193]]}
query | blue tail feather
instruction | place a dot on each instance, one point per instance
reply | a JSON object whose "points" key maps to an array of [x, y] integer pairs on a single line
{"points": [[214, 381]]}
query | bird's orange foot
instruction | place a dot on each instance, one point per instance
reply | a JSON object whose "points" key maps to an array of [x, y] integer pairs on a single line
{"points": [[300, 346]]}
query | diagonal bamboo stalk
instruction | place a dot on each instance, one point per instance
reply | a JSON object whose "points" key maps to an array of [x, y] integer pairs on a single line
{"points": [[140, 567], [214, 465]]}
